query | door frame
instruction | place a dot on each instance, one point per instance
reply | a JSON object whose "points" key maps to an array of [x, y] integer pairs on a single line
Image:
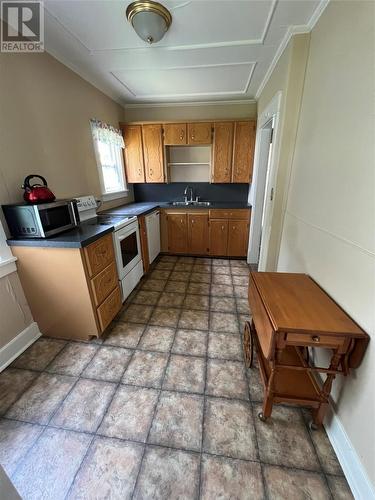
{"points": [[258, 250]]}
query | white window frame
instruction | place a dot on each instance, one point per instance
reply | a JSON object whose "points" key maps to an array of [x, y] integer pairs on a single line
{"points": [[110, 195]]}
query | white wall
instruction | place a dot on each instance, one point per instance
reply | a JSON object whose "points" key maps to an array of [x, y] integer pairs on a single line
{"points": [[329, 227]]}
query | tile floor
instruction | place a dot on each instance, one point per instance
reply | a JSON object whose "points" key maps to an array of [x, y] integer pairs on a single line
{"points": [[161, 407]]}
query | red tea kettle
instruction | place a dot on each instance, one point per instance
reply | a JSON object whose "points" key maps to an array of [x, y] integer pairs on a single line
{"points": [[37, 193]]}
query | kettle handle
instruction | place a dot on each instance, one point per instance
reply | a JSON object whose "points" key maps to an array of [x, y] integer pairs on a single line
{"points": [[26, 182]]}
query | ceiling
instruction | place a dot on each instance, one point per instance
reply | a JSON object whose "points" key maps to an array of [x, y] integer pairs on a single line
{"points": [[214, 49]]}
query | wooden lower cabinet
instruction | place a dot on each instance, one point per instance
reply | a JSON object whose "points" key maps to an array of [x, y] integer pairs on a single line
{"points": [[177, 233], [238, 238], [218, 237], [198, 233]]}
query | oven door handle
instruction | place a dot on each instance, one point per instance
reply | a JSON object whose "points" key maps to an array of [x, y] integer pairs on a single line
{"points": [[120, 238]]}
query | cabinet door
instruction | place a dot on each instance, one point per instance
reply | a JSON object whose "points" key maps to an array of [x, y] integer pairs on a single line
{"points": [[177, 233], [218, 237], [243, 151], [238, 238], [133, 153], [198, 233], [199, 133], [175, 134], [153, 153], [222, 152]]}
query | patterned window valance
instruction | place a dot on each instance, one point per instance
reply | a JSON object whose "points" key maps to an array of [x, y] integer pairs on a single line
{"points": [[103, 132]]}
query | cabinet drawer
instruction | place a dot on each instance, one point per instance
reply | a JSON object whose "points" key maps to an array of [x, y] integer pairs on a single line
{"points": [[311, 339], [99, 255], [103, 284], [238, 213], [110, 307]]}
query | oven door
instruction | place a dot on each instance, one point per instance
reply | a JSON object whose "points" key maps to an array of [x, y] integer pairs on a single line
{"points": [[128, 248]]}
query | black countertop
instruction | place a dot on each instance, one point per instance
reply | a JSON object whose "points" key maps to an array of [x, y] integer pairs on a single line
{"points": [[86, 233]]}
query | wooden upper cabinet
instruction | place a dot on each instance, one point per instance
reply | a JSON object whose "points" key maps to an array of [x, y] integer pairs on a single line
{"points": [[218, 237], [177, 233], [133, 153], [222, 151], [198, 233], [175, 134], [243, 151], [199, 133], [238, 238], [153, 152]]}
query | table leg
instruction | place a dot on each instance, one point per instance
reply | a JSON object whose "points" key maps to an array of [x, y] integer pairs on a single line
{"points": [[268, 399]]}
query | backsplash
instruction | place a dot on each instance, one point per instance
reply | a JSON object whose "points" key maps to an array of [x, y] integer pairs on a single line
{"points": [[206, 191]]}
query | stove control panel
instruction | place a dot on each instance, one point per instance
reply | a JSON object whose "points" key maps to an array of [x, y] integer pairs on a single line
{"points": [[86, 203]]}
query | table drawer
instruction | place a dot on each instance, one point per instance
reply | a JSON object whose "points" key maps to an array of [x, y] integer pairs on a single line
{"points": [[110, 307], [103, 283], [238, 213], [311, 339], [99, 255]]}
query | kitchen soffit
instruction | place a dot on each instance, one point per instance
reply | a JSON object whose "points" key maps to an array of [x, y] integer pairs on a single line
{"points": [[214, 49]]}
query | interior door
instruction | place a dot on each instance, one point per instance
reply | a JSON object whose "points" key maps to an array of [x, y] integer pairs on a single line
{"points": [[133, 153], [238, 238], [243, 151], [153, 152], [218, 230], [177, 233], [222, 151], [198, 233]]}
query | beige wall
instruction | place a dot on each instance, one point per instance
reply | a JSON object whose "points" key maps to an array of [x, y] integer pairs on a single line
{"points": [[45, 110], [206, 111], [329, 229]]}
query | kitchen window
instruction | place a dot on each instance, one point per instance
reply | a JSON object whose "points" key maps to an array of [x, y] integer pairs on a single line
{"points": [[108, 145]]}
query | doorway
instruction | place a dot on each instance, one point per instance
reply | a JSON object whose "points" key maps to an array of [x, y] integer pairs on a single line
{"points": [[262, 192]]}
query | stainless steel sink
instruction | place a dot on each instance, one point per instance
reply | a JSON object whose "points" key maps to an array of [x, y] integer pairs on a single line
{"points": [[191, 203]]}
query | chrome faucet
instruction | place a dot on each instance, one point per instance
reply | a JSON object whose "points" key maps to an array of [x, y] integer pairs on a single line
{"points": [[191, 194]]}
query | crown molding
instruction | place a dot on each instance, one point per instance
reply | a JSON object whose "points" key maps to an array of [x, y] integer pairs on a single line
{"points": [[236, 102], [293, 30]]}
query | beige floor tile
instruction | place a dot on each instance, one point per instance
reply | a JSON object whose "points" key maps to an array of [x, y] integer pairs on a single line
{"points": [[180, 276], [196, 320], [85, 406], [163, 316], [13, 383], [220, 262], [108, 364], [223, 304], [241, 291], [130, 413], [241, 281], [41, 400], [203, 261], [222, 279], [160, 274], [220, 270], [221, 290], [109, 470], [125, 334], [185, 373], [166, 266], [72, 359], [199, 302], [224, 322], [168, 474], [199, 277], [229, 429], [176, 286], [168, 258], [202, 268], [198, 288], [146, 369], [239, 263], [157, 338], [224, 346], [178, 421], [183, 266], [50, 467], [168, 299], [242, 305], [339, 488], [226, 379], [284, 440], [187, 260], [240, 271], [256, 388], [137, 313], [16, 438], [39, 355], [229, 478], [294, 484], [153, 285], [146, 297], [193, 342]]}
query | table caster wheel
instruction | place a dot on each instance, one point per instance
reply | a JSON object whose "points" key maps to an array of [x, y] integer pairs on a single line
{"points": [[313, 426], [262, 417]]}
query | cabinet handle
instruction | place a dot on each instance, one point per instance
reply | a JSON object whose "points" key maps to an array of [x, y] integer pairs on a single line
{"points": [[181, 221], [222, 228], [193, 137], [315, 338], [234, 227]]}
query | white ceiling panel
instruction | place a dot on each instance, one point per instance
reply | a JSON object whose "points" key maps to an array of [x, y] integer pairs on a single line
{"points": [[216, 49]]}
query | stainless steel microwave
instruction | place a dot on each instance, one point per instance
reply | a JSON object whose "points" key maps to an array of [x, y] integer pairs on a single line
{"points": [[41, 220]]}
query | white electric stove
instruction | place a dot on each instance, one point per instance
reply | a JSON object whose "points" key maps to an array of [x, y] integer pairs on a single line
{"points": [[125, 239]]}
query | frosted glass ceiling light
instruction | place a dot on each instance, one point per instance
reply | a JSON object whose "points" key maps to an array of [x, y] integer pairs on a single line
{"points": [[150, 20]]}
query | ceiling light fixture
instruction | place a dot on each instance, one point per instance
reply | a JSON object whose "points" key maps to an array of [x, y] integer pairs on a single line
{"points": [[150, 20]]}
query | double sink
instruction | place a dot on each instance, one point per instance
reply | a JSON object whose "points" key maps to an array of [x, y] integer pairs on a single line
{"points": [[190, 203]]}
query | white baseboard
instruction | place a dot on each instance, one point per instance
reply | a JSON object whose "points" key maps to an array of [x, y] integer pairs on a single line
{"points": [[355, 474], [17, 345]]}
